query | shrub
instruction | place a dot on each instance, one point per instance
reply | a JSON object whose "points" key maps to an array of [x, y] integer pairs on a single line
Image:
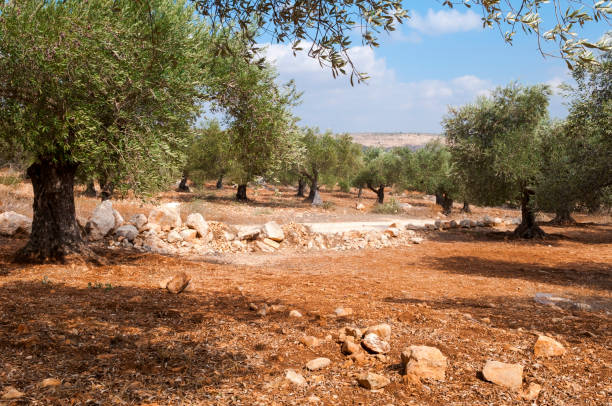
{"points": [[390, 207]]}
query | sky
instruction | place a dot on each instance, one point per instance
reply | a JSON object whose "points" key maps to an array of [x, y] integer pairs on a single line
{"points": [[440, 57]]}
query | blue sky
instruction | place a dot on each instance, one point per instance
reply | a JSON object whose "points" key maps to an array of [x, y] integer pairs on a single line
{"points": [[440, 57]]}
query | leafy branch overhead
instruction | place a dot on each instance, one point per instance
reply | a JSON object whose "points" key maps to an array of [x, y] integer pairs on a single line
{"points": [[327, 26]]}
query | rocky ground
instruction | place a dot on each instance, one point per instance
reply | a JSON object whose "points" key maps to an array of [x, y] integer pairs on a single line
{"points": [[470, 316]]}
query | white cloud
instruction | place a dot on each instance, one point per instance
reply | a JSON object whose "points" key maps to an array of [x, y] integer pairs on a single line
{"points": [[384, 103], [445, 22]]}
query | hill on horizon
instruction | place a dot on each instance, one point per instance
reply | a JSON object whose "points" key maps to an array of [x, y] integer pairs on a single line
{"points": [[391, 140]]}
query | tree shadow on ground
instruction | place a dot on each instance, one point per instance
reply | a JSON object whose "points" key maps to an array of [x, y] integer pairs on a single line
{"points": [[487, 236], [125, 344], [588, 274], [508, 312]]}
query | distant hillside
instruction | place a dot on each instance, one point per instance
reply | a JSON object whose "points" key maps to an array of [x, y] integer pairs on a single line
{"points": [[390, 140]]}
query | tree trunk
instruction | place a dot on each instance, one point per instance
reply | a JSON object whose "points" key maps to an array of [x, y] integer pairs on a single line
{"points": [[314, 190], [241, 193], [438, 199], [56, 235], [446, 203], [182, 187], [91, 189], [528, 227], [563, 217], [360, 192], [301, 187], [219, 184], [466, 207], [380, 193], [107, 191]]}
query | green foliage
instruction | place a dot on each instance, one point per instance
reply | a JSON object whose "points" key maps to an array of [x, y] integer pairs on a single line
{"points": [[209, 155], [320, 153], [495, 142], [261, 128], [327, 27], [430, 170], [381, 169], [389, 207], [113, 86]]}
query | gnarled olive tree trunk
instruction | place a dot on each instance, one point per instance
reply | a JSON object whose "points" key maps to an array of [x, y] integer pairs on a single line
{"points": [[182, 187], [301, 187], [528, 227], [91, 189], [241, 193], [446, 202], [466, 207], [219, 184], [563, 217], [56, 235]]}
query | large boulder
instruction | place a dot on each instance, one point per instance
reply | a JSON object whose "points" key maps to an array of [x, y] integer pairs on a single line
{"points": [[273, 231], [167, 216], [101, 222], [11, 222], [196, 222], [127, 231], [424, 362]]}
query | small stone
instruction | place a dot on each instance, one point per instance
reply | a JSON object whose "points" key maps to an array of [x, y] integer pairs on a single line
{"points": [[174, 236], [263, 310], [295, 313], [178, 283], [392, 232], [373, 381], [273, 231], [547, 347], [264, 247], [138, 220], [424, 362], [188, 235], [343, 312], [10, 393], [375, 344], [271, 243], [197, 222], [309, 341], [381, 330], [318, 363], [486, 320], [412, 379], [136, 299], [253, 307], [500, 373], [358, 358], [294, 377], [166, 216], [416, 240], [350, 347], [360, 206], [127, 231], [277, 308], [50, 382], [532, 392], [164, 283]]}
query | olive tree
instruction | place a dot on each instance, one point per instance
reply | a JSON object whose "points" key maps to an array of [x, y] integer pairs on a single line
{"points": [[117, 81], [320, 157], [209, 156], [430, 170], [381, 169], [495, 143]]}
